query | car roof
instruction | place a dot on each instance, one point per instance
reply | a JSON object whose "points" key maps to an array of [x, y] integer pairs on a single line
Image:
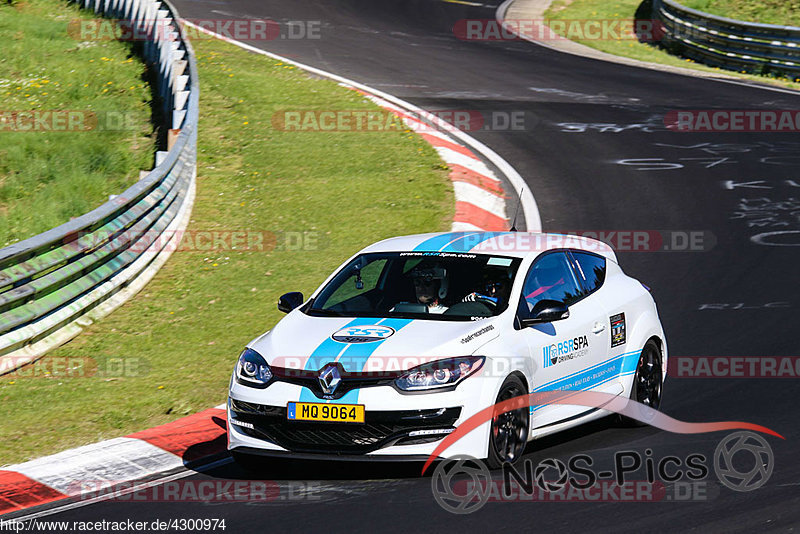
{"points": [[514, 244]]}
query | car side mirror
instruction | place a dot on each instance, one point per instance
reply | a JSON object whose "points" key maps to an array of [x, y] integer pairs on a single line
{"points": [[290, 301], [546, 311]]}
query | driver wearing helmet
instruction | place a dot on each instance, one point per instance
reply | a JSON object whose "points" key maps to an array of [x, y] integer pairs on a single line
{"points": [[495, 288], [430, 286]]}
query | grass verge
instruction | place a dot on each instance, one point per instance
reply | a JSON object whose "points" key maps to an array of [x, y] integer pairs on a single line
{"points": [[624, 10], [52, 174], [169, 352], [783, 12]]}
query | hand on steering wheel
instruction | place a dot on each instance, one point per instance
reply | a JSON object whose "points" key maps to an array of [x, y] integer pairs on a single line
{"points": [[492, 302]]}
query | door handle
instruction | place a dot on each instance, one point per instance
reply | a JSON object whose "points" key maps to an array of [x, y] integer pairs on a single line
{"points": [[598, 327]]}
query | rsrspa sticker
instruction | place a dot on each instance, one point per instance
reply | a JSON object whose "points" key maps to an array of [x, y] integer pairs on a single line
{"points": [[362, 334]]}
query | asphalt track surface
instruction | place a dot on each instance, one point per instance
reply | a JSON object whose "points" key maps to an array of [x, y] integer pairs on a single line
{"points": [[407, 48]]}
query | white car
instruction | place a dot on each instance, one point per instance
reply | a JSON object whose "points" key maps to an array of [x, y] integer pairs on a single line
{"points": [[413, 335]]}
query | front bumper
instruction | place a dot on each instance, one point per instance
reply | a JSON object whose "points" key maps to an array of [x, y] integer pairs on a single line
{"points": [[269, 453], [396, 425], [381, 429]]}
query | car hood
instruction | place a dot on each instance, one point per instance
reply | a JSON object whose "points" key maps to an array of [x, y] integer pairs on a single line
{"points": [[300, 341]]}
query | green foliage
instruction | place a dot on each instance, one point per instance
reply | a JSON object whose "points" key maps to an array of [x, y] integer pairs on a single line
{"points": [[783, 12], [49, 176]]}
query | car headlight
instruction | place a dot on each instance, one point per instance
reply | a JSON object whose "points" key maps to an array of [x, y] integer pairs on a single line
{"points": [[252, 369], [439, 374]]}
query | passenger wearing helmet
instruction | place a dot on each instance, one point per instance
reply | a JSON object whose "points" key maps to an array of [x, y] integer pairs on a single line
{"points": [[495, 288], [430, 286]]}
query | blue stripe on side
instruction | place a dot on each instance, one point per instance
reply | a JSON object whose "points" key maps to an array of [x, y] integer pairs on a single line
{"points": [[595, 376], [589, 370]]}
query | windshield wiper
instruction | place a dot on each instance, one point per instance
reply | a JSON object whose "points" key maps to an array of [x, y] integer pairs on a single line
{"points": [[329, 313]]}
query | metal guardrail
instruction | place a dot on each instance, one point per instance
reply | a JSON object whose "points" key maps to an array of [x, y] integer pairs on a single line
{"points": [[727, 43], [56, 282]]}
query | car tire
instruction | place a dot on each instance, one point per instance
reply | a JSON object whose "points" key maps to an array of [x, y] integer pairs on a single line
{"points": [[508, 433], [648, 383]]}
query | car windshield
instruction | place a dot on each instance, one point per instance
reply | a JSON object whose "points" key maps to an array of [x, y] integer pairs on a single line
{"points": [[425, 285]]}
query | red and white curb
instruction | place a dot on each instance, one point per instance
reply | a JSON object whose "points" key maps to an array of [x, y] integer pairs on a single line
{"points": [[191, 440], [201, 438], [480, 200]]}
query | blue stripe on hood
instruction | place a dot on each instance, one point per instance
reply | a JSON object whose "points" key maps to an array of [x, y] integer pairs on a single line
{"points": [[329, 349], [456, 241], [470, 241], [436, 243], [354, 358]]}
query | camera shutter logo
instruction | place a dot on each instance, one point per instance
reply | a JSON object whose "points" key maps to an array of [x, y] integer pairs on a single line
{"points": [[740, 444], [452, 470], [551, 485]]}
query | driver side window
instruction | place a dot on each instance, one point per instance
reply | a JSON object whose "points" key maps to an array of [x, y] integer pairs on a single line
{"points": [[551, 278]]}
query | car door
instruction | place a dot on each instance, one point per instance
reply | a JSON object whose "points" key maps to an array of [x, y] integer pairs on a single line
{"points": [[564, 351], [592, 269]]}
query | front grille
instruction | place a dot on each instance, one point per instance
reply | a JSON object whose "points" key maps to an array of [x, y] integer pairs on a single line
{"points": [[380, 429], [349, 381], [363, 436]]}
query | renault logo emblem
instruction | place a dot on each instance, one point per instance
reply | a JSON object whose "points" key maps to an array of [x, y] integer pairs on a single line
{"points": [[329, 378]]}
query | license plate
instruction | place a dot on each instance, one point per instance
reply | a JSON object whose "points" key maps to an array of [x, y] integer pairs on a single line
{"points": [[330, 413]]}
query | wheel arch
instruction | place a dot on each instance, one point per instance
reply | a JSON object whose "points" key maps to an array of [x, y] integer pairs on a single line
{"points": [[522, 377]]}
